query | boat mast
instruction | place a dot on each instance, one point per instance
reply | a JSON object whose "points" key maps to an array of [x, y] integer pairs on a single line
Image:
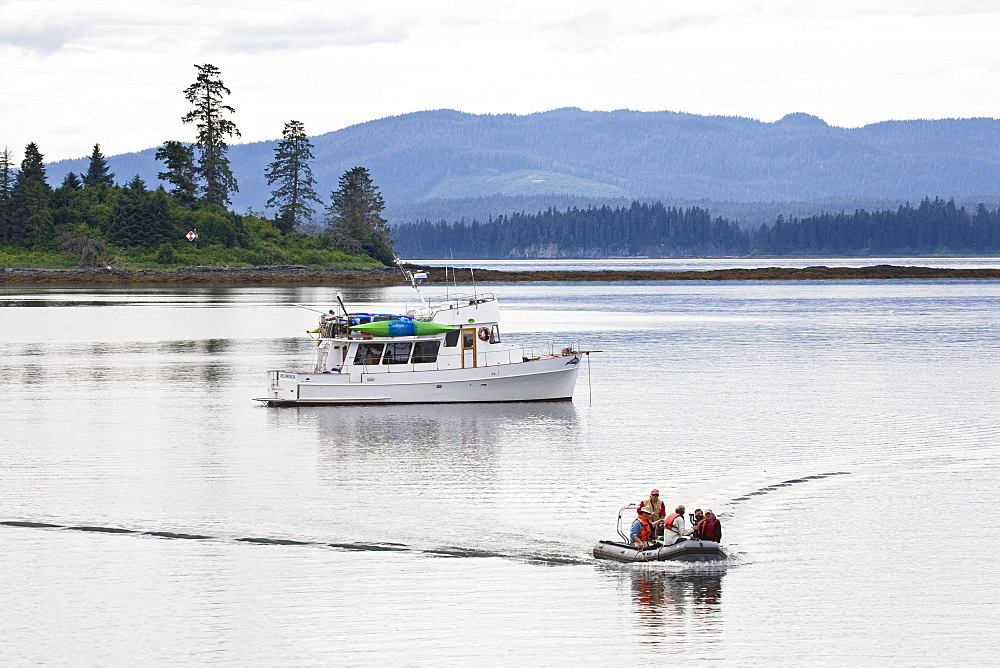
{"points": [[414, 279]]}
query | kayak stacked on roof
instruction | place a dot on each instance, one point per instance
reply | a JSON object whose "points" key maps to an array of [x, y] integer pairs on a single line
{"points": [[448, 352]]}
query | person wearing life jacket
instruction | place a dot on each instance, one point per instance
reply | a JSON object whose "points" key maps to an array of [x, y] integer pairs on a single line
{"points": [[643, 528], [711, 528], [656, 509], [676, 528], [698, 518]]}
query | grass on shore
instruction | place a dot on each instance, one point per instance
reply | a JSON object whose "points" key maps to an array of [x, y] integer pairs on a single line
{"points": [[186, 257]]}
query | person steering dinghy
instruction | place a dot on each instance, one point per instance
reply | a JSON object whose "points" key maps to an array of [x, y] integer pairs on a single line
{"points": [[643, 532]]}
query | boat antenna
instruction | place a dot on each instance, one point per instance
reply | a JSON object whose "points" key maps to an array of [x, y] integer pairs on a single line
{"points": [[414, 278], [342, 307], [399, 265], [472, 271]]}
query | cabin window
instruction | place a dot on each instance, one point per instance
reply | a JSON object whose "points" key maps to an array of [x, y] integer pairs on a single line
{"points": [[425, 352], [396, 353], [495, 334], [451, 338], [468, 338], [369, 353]]}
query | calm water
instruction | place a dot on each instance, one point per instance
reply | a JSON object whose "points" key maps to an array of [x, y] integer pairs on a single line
{"points": [[846, 433]]}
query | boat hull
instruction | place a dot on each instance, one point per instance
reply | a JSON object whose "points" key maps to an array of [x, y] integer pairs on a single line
{"points": [[550, 379], [686, 550]]}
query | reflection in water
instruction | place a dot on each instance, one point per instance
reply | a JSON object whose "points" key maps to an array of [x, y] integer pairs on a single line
{"points": [[435, 451], [682, 608], [432, 431]]}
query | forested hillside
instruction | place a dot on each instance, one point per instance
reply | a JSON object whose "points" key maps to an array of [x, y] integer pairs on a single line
{"points": [[930, 228], [447, 155]]}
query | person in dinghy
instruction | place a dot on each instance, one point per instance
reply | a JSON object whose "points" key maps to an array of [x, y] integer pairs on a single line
{"points": [[644, 529], [675, 528]]}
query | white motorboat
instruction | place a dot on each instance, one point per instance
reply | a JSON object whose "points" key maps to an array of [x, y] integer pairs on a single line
{"points": [[446, 352]]}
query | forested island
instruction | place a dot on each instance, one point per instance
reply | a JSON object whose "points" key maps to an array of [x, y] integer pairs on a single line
{"points": [[91, 221]]}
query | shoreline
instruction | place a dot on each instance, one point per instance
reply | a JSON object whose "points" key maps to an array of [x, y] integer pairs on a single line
{"points": [[297, 275]]}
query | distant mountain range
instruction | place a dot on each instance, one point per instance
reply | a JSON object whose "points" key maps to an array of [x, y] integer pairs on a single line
{"points": [[448, 164]]}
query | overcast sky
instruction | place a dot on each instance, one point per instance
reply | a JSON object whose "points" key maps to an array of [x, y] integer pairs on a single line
{"points": [[73, 73]]}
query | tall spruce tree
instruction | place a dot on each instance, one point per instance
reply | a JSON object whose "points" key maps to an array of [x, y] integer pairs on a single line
{"points": [[181, 172], [206, 94], [31, 201], [6, 186], [293, 174], [354, 217], [98, 173]]}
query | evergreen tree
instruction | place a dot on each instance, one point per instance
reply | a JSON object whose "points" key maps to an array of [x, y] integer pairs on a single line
{"points": [[181, 172], [6, 186], [354, 217], [141, 217], [65, 199], [71, 182], [206, 94], [292, 172], [128, 216], [31, 200], [97, 172]]}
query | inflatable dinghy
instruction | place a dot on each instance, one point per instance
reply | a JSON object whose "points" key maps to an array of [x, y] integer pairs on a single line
{"points": [[682, 550]]}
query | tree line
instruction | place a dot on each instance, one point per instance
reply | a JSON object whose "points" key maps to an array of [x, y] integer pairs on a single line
{"points": [[655, 230], [91, 215]]}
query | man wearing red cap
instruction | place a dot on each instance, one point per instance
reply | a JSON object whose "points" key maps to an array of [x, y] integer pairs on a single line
{"points": [[655, 508]]}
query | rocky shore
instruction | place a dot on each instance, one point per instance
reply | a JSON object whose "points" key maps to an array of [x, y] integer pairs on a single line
{"points": [[387, 276]]}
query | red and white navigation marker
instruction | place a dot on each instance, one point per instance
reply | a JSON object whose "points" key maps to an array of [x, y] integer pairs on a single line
{"points": [[192, 235]]}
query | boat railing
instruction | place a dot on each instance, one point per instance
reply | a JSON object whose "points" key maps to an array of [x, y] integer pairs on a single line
{"points": [[633, 507], [447, 303]]}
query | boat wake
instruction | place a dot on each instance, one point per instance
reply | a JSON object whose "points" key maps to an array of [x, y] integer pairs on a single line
{"points": [[787, 483], [446, 551]]}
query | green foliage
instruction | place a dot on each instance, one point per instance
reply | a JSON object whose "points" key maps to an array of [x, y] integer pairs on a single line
{"points": [[293, 174], [31, 202], [640, 229], [181, 172], [165, 254], [206, 94], [216, 225], [97, 171], [935, 227], [7, 177], [354, 217]]}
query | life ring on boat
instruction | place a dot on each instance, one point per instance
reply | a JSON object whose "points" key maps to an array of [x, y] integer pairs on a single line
{"points": [[484, 333]]}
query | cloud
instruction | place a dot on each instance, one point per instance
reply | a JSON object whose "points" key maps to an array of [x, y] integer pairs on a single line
{"points": [[305, 34], [48, 26]]}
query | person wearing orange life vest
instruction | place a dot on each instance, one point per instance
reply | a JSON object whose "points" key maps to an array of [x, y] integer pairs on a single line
{"points": [[656, 508], [643, 529], [676, 528]]}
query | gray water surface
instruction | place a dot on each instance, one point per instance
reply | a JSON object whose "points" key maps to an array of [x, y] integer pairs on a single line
{"points": [[845, 432]]}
